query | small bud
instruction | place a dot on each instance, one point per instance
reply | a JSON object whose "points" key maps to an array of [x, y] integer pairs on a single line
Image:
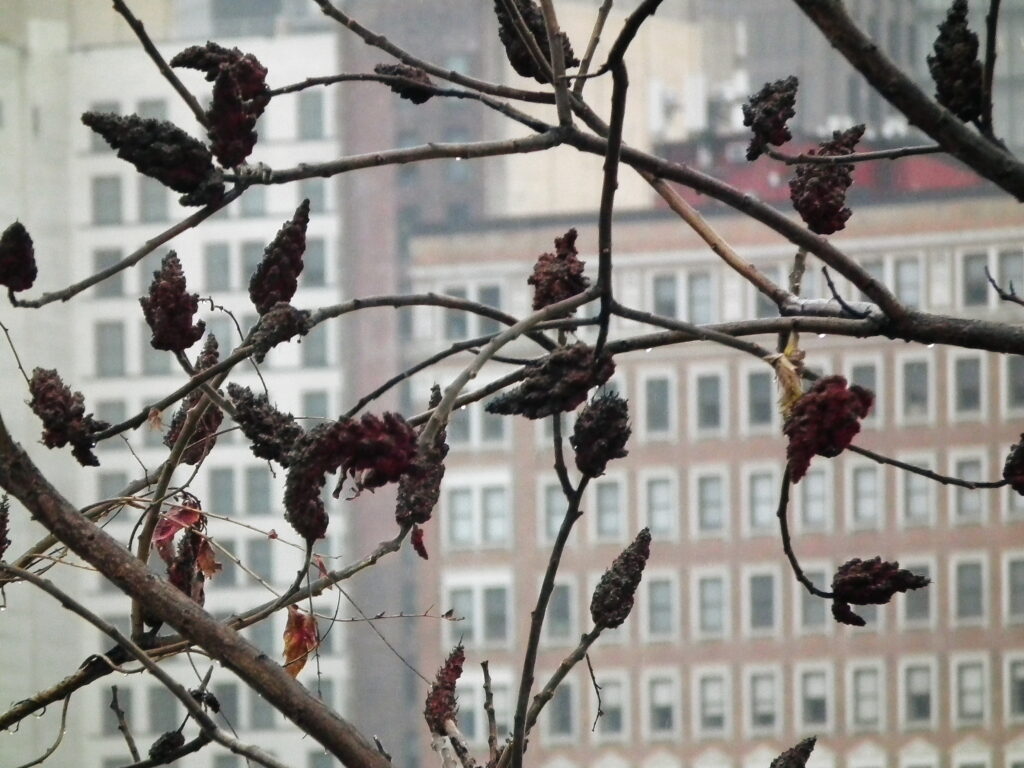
{"points": [[766, 113], [818, 190], [613, 598], [415, 94], [559, 275], [600, 434], [824, 421], [519, 55], [17, 258], [169, 308], [277, 276], [795, 757], [441, 704]]}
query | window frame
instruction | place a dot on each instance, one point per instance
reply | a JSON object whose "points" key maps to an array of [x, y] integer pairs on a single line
{"points": [[966, 453], [647, 476], [696, 473], [750, 729], [910, 563], [694, 374], [955, 560], [620, 480], [697, 575], [799, 591], [746, 426], [477, 483], [826, 469], [748, 470], [1011, 658], [1008, 558], [956, 662], [852, 667], [953, 410], [800, 671], [749, 572], [697, 676], [651, 577], [928, 416], [620, 677], [931, 664], [670, 433], [876, 416], [672, 676], [477, 581], [852, 468]]}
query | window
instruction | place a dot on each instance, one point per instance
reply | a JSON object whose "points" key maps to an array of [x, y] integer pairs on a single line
{"points": [[1015, 381], [711, 507], [813, 608], [230, 573], [763, 705], [970, 592], [484, 608], [105, 258], [1015, 589], [661, 706], [311, 115], [709, 403], [917, 682], [222, 491], [612, 722], [711, 703], [761, 501], [760, 403], [106, 200], [761, 608], [711, 606], [916, 396], [314, 190], [661, 507], [109, 336], [254, 202], [866, 692], [967, 386], [1015, 689], [456, 321], [155, 362], [259, 558], [814, 698], [661, 608], [917, 603], [163, 710], [908, 281], [700, 298], [315, 404], [314, 349], [975, 286], [867, 497], [258, 494], [665, 292], [609, 522], [562, 712], [917, 496], [866, 375], [461, 604], [495, 602], [815, 504], [153, 200], [657, 407], [558, 622], [314, 260], [112, 412], [969, 504], [970, 692], [478, 516], [1011, 270]]}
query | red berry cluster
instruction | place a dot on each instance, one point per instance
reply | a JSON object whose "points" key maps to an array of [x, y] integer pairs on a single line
{"points": [[419, 88], [519, 55], [240, 95], [270, 432], [600, 433], [796, 757], [559, 275], [954, 66], [441, 704], [204, 436], [613, 597], [277, 276], [17, 258], [278, 324], [1013, 468], [63, 415], [824, 421], [558, 383], [163, 151], [869, 582], [818, 190], [420, 487], [169, 308], [766, 113]]}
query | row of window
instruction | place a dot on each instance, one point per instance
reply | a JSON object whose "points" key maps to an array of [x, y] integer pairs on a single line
{"points": [[477, 513], [723, 701], [112, 359], [752, 604]]}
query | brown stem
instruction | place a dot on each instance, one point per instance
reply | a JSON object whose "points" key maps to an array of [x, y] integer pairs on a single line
{"points": [[856, 157], [122, 724], [787, 543], [629, 30], [595, 38], [988, 73]]}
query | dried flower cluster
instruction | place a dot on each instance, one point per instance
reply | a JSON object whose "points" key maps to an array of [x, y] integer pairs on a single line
{"points": [[300, 639], [955, 67], [270, 432], [17, 258], [519, 55], [166, 746], [5, 525], [240, 95], [766, 113], [613, 597], [824, 421], [601, 433], [277, 325], [169, 308], [1013, 467], [559, 275], [417, 94], [63, 415], [796, 757], [204, 436], [869, 582], [277, 276], [374, 449], [818, 190], [163, 151], [441, 704], [558, 383]]}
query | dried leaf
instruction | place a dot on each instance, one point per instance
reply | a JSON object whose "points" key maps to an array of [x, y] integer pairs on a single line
{"points": [[206, 559], [417, 542], [300, 638], [169, 525]]}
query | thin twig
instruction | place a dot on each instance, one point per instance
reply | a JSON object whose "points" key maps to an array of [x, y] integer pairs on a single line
{"points": [[122, 724], [187, 748], [787, 544], [943, 479], [492, 723], [629, 29], [62, 729], [384, 640], [855, 157], [855, 313], [557, 55], [1003, 294], [147, 45], [588, 57], [597, 693]]}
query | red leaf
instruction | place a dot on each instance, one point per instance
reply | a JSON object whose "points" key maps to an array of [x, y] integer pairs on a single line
{"points": [[417, 542], [168, 525], [300, 638], [321, 567], [206, 559]]}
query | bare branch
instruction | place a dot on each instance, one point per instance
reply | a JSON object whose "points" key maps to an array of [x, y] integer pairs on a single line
{"points": [[988, 73], [787, 543], [856, 157], [122, 724], [595, 38]]}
